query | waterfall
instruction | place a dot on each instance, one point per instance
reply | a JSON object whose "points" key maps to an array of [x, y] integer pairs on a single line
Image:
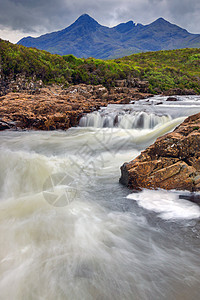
{"points": [[125, 120]]}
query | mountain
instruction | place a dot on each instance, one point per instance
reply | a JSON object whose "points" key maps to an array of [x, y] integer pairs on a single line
{"points": [[87, 38]]}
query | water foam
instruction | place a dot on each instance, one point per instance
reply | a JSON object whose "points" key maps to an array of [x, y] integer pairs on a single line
{"points": [[167, 204]]}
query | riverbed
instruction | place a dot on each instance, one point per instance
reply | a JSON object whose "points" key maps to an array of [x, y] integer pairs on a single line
{"points": [[69, 230]]}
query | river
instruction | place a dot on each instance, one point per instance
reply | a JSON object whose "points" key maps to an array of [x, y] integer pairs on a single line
{"points": [[69, 230]]}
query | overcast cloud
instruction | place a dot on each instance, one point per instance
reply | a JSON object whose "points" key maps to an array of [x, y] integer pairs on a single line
{"points": [[19, 18]]}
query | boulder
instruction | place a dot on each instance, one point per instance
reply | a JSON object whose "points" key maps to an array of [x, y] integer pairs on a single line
{"points": [[172, 162], [171, 98]]}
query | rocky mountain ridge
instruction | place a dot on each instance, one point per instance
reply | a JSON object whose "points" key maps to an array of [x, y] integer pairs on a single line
{"points": [[87, 38]]}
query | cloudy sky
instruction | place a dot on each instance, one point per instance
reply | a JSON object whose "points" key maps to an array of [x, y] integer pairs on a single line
{"points": [[19, 18]]}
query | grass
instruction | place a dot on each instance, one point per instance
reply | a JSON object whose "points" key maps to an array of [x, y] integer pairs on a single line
{"points": [[162, 69]]}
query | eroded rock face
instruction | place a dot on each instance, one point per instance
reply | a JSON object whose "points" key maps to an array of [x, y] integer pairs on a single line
{"points": [[172, 162], [19, 84], [56, 108]]}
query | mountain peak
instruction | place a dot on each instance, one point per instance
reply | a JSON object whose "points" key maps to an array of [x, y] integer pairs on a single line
{"points": [[124, 27], [86, 38], [85, 18], [161, 21]]}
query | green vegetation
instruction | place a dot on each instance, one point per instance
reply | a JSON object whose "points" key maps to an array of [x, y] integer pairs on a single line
{"points": [[162, 69], [169, 69], [16, 59]]}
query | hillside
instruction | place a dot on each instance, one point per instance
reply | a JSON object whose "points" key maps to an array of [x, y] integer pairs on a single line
{"points": [[87, 38], [163, 70]]}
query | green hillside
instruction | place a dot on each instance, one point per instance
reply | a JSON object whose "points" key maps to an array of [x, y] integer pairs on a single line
{"points": [[163, 69]]}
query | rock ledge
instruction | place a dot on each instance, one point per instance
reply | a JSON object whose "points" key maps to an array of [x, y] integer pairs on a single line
{"points": [[172, 162], [53, 107]]}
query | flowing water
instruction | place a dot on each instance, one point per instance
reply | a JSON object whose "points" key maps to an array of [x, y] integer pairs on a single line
{"points": [[69, 230]]}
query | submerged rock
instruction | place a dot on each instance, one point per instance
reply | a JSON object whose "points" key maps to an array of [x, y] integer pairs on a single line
{"points": [[172, 162]]}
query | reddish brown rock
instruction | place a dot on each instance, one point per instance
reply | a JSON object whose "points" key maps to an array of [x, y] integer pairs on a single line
{"points": [[56, 108], [172, 162], [178, 91]]}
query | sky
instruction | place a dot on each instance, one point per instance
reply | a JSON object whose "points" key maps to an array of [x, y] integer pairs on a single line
{"points": [[20, 18]]}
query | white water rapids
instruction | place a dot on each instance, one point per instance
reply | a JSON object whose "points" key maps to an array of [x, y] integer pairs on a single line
{"points": [[69, 230]]}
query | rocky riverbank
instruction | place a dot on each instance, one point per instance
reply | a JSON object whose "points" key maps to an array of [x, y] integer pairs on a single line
{"points": [[51, 108], [172, 162]]}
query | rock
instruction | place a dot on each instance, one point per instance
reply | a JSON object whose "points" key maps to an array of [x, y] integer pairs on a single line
{"points": [[178, 91], [6, 125], [121, 83], [100, 90], [55, 108], [131, 82], [19, 84], [143, 86], [172, 99], [172, 162], [193, 197]]}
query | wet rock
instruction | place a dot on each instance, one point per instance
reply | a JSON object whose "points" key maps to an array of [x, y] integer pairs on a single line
{"points": [[172, 99], [6, 125], [193, 197], [172, 162]]}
